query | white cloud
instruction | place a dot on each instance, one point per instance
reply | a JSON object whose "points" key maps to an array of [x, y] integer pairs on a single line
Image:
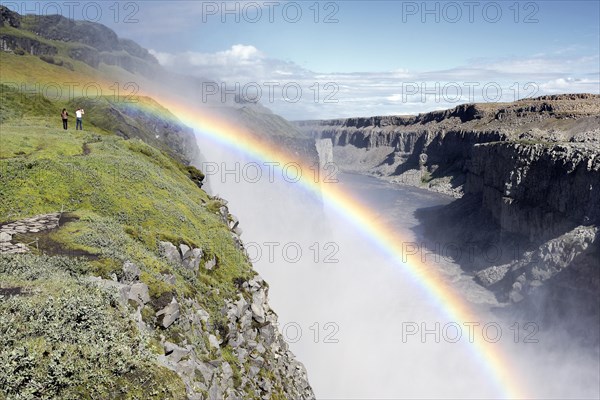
{"points": [[399, 91], [238, 55]]}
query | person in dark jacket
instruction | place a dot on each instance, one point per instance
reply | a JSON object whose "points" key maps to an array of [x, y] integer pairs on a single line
{"points": [[65, 118]]}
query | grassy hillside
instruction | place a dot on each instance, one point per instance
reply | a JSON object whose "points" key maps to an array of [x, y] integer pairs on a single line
{"points": [[123, 185], [65, 337]]}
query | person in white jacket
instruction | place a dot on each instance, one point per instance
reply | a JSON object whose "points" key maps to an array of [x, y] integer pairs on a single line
{"points": [[79, 114]]}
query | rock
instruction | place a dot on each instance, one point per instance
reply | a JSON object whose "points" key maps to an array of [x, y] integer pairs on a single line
{"points": [[240, 306], [169, 278], [491, 275], [255, 283], [254, 370], [234, 223], [175, 353], [131, 272], [121, 289], [224, 214], [5, 237], [210, 264], [258, 310], [213, 341], [170, 252], [191, 259], [204, 316], [227, 371], [236, 341], [139, 293], [215, 393], [268, 334], [246, 320], [242, 354], [206, 370], [183, 248], [169, 314]]}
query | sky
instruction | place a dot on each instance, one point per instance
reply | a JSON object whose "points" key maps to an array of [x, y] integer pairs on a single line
{"points": [[331, 59]]}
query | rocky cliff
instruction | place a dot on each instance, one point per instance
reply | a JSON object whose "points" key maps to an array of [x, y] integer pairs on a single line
{"points": [[119, 276], [85, 41], [432, 149], [527, 175]]}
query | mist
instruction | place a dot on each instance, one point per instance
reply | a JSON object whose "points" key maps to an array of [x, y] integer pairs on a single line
{"points": [[349, 312]]}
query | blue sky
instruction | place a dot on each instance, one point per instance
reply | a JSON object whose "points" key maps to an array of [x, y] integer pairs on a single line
{"points": [[373, 51]]}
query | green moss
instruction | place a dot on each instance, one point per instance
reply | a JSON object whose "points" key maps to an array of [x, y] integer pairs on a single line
{"points": [[148, 315], [70, 339], [105, 268]]}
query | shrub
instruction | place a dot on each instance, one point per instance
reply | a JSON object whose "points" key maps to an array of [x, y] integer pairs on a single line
{"points": [[65, 337], [195, 175]]}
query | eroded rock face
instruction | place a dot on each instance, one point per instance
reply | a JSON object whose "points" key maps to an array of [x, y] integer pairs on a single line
{"points": [[258, 346], [528, 173], [537, 190], [390, 146]]}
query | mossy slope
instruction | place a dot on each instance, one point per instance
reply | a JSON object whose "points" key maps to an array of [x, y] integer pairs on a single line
{"points": [[61, 336]]}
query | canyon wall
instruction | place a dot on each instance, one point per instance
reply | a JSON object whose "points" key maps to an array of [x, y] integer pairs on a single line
{"points": [[526, 176]]}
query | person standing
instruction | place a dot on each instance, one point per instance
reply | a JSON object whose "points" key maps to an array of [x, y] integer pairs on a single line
{"points": [[65, 118], [79, 115]]}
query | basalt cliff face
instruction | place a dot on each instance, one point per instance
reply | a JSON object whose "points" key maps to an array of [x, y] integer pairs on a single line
{"points": [[527, 178]]}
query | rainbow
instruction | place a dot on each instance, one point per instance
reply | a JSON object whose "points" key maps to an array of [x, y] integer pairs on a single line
{"points": [[444, 297], [502, 374]]}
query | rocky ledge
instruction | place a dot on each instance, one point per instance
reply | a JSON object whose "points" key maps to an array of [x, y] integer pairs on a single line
{"points": [[34, 224], [205, 366]]}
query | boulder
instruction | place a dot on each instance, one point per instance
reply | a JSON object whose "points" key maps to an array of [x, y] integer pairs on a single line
{"points": [[255, 283], [210, 264], [183, 248], [139, 293], [168, 315], [131, 272], [174, 352], [207, 371], [204, 316], [170, 252], [191, 258], [215, 393], [258, 310]]}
